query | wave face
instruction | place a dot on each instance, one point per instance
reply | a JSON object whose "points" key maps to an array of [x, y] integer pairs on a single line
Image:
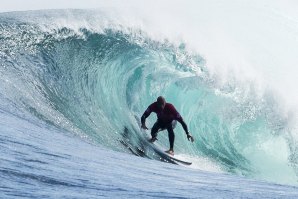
{"points": [[96, 83]]}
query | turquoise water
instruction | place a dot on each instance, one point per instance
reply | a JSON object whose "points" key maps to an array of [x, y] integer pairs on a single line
{"points": [[93, 84]]}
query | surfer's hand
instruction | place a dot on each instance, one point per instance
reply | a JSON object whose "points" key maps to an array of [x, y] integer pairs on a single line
{"points": [[144, 127], [190, 138]]}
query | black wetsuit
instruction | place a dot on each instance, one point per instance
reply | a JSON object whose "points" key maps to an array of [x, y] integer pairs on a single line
{"points": [[165, 120]]}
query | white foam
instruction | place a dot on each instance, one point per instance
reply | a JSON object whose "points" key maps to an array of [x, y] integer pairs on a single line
{"points": [[201, 163]]}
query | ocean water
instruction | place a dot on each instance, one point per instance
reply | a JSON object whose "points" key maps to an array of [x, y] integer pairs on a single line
{"points": [[74, 84]]}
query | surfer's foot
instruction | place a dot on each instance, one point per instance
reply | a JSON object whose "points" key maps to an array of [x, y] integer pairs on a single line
{"points": [[153, 139], [171, 152]]}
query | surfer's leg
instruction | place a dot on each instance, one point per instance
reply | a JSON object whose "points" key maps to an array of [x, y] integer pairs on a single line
{"points": [[154, 129], [171, 137]]}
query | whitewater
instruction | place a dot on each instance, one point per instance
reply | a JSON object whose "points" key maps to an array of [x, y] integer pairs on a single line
{"points": [[74, 84]]}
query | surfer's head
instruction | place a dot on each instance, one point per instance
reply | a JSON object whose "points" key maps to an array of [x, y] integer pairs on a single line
{"points": [[161, 102]]}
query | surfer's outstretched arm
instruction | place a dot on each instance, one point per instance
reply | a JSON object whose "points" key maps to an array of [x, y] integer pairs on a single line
{"points": [[144, 116], [189, 136], [181, 121]]}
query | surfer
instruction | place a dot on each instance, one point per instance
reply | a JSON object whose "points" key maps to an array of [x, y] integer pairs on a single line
{"points": [[167, 116]]}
